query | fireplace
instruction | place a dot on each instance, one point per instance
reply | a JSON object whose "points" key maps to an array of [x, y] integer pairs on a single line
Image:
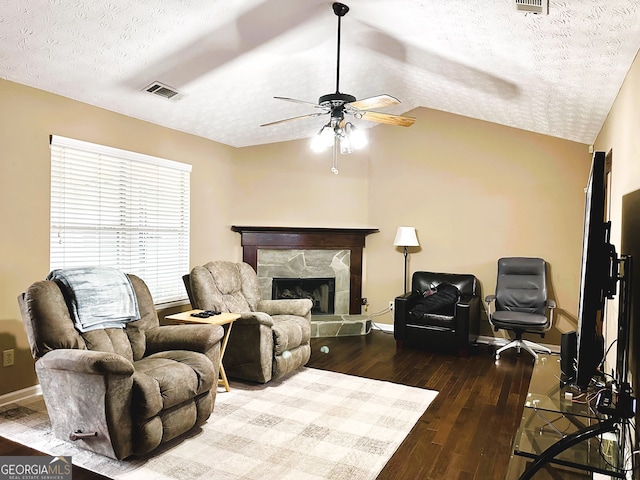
{"points": [[321, 291], [298, 250]]}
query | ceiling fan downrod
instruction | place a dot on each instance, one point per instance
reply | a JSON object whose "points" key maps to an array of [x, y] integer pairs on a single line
{"points": [[336, 101], [340, 9]]}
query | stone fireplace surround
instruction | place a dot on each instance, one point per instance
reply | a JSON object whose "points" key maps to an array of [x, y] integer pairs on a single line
{"points": [[306, 264], [311, 251]]}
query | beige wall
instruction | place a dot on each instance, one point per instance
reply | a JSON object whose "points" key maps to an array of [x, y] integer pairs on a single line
{"points": [[474, 190], [620, 135], [285, 184]]}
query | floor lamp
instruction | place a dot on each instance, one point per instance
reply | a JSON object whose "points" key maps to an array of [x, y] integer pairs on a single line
{"points": [[406, 237]]}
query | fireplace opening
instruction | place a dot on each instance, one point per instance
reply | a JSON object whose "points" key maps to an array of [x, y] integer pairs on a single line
{"points": [[321, 291]]}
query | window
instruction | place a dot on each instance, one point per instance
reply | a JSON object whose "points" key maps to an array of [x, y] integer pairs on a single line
{"points": [[111, 207]]}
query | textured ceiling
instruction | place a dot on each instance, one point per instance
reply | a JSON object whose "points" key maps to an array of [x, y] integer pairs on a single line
{"points": [[555, 74]]}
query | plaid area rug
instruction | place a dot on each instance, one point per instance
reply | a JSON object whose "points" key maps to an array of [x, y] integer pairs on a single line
{"points": [[313, 424]]}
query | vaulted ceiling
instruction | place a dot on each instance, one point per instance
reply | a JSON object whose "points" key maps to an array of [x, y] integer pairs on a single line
{"points": [[555, 74]]}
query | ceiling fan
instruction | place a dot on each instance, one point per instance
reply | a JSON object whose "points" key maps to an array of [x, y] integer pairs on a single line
{"points": [[338, 104]]}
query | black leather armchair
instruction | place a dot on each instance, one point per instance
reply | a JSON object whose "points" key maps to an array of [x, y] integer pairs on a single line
{"points": [[453, 327]]}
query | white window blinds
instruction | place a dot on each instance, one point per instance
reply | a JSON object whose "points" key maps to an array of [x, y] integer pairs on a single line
{"points": [[111, 207]]}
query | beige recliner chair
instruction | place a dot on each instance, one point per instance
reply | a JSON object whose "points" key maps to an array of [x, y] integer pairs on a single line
{"points": [[270, 339], [120, 391]]}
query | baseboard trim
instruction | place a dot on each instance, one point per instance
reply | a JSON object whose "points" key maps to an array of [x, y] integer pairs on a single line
{"points": [[20, 395], [482, 339], [385, 327]]}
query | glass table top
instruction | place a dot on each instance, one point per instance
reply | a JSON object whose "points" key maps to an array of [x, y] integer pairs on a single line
{"points": [[547, 391], [554, 410]]}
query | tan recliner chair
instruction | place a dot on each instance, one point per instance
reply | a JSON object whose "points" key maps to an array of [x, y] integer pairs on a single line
{"points": [[120, 391], [271, 337]]}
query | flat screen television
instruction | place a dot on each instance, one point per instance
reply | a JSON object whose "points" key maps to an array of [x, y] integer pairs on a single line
{"points": [[595, 278]]}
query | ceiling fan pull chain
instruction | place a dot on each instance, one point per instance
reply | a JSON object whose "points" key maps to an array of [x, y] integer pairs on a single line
{"points": [[334, 165]]}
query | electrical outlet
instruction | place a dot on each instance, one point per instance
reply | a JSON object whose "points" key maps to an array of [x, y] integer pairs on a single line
{"points": [[7, 358], [391, 305]]}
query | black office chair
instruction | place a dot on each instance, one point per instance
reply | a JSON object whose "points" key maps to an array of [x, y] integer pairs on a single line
{"points": [[520, 302]]}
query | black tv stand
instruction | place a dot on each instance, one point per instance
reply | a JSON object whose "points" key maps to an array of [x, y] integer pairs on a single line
{"points": [[610, 412], [558, 428], [600, 428]]}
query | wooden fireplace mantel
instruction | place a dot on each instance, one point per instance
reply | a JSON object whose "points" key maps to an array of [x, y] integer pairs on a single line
{"points": [[309, 238]]}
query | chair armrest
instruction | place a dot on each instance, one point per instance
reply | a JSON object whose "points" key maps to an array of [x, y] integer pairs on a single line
{"points": [[86, 361], [405, 302], [489, 298], [255, 318], [196, 338], [467, 319], [466, 300], [402, 306], [298, 306], [551, 305]]}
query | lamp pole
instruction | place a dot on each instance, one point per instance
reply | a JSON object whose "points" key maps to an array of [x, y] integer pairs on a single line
{"points": [[405, 268]]}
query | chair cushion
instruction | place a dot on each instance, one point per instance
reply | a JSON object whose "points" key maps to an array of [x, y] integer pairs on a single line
{"points": [[434, 320], [289, 332], [110, 340], [529, 322], [169, 378], [441, 301]]}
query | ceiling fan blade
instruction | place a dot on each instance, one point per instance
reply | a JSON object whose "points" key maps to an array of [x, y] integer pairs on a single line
{"points": [[293, 118], [298, 101], [375, 102], [389, 118]]}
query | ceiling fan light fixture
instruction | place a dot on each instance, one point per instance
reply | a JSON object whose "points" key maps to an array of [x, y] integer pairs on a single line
{"points": [[343, 136], [346, 147], [357, 136], [323, 139]]}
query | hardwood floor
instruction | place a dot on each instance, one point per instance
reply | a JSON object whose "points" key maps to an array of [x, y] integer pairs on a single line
{"points": [[465, 434], [467, 431]]}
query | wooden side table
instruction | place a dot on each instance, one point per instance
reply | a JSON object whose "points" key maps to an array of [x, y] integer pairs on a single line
{"points": [[223, 319]]}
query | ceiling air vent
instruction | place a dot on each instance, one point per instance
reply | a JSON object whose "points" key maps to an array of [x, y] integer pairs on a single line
{"points": [[533, 6], [161, 90]]}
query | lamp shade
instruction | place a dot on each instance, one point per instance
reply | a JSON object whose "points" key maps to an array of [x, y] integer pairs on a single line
{"points": [[406, 237]]}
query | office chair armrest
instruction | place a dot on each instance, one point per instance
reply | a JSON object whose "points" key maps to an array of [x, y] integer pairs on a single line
{"points": [[551, 305], [489, 299]]}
